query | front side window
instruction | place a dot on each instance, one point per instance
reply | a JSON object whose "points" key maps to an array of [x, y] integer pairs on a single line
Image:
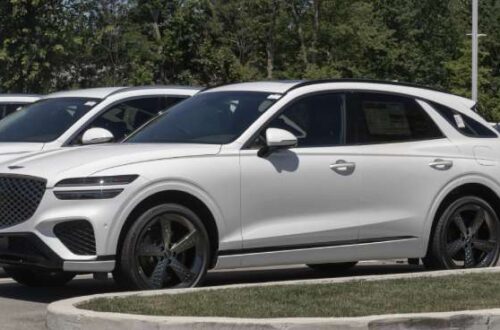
{"points": [[45, 120], [383, 118], [316, 120], [125, 117], [211, 118]]}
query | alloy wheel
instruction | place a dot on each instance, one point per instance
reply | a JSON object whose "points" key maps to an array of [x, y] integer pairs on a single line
{"points": [[471, 237], [170, 252]]}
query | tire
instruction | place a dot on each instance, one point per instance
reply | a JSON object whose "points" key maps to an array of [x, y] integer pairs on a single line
{"points": [[34, 278], [334, 267], [466, 235], [166, 247]]}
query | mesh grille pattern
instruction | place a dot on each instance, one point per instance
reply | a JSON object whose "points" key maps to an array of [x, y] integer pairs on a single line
{"points": [[19, 198], [77, 236]]}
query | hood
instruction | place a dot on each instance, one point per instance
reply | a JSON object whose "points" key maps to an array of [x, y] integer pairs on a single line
{"points": [[84, 161], [13, 150]]}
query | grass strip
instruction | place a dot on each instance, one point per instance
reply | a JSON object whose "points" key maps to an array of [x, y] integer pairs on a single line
{"points": [[359, 298]]}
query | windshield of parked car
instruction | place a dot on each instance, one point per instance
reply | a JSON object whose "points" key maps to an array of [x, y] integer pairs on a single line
{"points": [[211, 118], [45, 120]]}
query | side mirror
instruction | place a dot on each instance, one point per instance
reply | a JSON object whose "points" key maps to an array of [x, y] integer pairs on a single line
{"points": [[276, 139], [97, 135]]}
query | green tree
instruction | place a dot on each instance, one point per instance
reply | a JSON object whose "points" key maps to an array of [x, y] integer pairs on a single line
{"points": [[50, 45], [36, 44]]}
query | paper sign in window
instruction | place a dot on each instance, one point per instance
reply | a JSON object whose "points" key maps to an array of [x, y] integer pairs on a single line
{"points": [[459, 120], [384, 118]]}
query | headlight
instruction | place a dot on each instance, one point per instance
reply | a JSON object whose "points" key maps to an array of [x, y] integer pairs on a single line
{"points": [[99, 182], [87, 194]]}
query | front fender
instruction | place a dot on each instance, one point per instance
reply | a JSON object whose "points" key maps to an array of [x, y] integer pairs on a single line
{"points": [[152, 188]]}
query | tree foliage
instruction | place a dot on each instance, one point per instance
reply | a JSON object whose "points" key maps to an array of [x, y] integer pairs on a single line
{"points": [[47, 45]]}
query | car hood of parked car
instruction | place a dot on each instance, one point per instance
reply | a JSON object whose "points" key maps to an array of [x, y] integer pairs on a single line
{"points": [[66, 162], [13, 150]]}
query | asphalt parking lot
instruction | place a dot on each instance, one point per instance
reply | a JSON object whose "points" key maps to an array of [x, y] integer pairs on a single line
{"points": [[24, 308]]}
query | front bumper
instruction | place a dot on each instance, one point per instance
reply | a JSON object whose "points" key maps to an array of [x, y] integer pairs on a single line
{"points": [[27, 250], [43, 241]]}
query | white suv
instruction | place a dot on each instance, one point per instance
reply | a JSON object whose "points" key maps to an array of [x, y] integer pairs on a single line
{"points": [[325, 173], [85, 116], [10, 103]]}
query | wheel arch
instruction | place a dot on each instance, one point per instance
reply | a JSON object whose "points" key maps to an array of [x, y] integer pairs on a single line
{"points": [[476, 185]]}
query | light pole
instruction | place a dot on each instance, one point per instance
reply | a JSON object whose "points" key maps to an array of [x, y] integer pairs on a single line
{"points": [[475, 45], [475, 39]]}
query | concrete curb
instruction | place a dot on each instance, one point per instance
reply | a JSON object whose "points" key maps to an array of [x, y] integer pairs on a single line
{"points": [[66, 315]]}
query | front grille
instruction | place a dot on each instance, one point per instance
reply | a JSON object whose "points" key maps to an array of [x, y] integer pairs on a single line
{"points": [[77, 236], [19, 198]]}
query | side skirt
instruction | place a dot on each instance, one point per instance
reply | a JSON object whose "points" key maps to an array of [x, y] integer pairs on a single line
{"points": [[383, 248]]}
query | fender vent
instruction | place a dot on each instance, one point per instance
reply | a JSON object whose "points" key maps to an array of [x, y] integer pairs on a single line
{"points": [[77, 236]]}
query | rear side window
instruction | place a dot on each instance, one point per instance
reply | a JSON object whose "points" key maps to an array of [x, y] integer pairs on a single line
{"points": [[462, 123], [382, 118]]}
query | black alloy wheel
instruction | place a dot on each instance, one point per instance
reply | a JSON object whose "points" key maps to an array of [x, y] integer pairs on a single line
{"points": [[466, 236], [167, 247]]}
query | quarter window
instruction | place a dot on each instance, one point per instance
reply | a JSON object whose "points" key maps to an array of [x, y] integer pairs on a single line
{"points": [[381, 118], [462, 123], [315, 120]]}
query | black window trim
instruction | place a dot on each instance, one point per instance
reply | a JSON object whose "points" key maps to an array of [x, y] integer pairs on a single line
{"points": [[248, 145], [84, 127]]}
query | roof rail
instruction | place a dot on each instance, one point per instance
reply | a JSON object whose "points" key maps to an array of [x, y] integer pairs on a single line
{"points": [[135, 88], [385, 82]]}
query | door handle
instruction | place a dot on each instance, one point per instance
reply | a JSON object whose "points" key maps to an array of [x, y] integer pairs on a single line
{"points": [[440, 164], [342, 167]]}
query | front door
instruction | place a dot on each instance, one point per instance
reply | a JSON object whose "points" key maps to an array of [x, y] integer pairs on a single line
{"points": [[307, 196]]}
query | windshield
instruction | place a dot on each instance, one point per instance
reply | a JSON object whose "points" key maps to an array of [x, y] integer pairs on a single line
{"points": [[45, 120], [212, 118]]}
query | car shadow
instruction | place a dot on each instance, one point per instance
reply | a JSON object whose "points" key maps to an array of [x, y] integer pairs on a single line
{"points": [[78, 287], [88, 286]]}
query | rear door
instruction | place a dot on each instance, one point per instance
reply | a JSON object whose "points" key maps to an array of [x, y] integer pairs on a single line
{"points": [[406, 160]]}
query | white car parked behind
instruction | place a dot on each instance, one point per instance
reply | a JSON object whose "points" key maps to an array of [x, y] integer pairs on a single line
{"points": [[324, 173], [85, 116]]}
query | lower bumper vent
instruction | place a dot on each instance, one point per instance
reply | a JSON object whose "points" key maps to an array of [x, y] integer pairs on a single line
{"points": [[77, 236]]}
